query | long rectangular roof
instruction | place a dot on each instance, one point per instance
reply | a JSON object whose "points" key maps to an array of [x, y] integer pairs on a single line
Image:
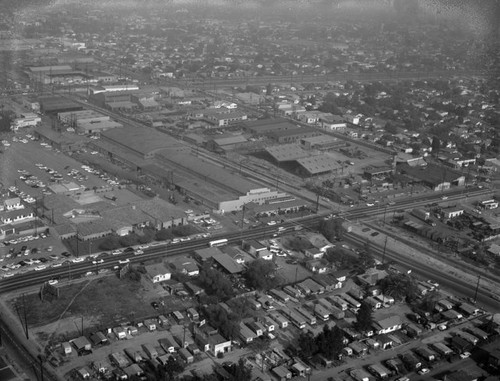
{"points": [[208, 172], [141, 139], [318, 164], [287, 152], [228, 263]]}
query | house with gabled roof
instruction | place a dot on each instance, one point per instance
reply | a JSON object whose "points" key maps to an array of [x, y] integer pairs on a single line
{"points": [[388, 324], [157, 272]]}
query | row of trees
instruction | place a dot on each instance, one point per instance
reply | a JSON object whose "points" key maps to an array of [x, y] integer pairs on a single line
{"points": [[330, 342]]}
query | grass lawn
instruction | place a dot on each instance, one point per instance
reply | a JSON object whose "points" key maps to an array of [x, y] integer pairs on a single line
{"points": [[109, 299]]}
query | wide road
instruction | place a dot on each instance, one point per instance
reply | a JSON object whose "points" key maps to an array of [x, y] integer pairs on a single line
{"points": [[71, 269], [212, 83]]}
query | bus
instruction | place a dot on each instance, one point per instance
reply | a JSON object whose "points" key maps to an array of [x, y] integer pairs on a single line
{"points": [[218, 242]]}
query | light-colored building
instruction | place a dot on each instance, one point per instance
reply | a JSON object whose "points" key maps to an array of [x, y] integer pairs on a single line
{"points": [[158, 272]]}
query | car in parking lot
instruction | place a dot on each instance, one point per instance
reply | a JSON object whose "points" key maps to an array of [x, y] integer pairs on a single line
{"points": [[116, 252], [78, 260], [40, 268], [423, 371], [374, 234]]}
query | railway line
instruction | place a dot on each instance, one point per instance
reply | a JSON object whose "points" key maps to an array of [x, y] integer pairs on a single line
{"points": [[71, 269]]}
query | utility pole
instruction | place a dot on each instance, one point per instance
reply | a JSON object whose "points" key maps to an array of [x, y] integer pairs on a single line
{"points": [[242, 216], [383, 254], [477, 288], [25, 319]]}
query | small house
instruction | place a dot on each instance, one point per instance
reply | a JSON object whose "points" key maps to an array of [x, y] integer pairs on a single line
{"points": [[131, 330], [66, 348], [163, 321], [193, 314], [412, 330], [389, 324], [119, 359], [359, 348], [150, 324], [83, 373], [385, 341], [256, 327], [186, 356], [299, 369], [279, 319], [133, 354], [246, 334], [98, 338], [133, 370], [282, 373], [120, 333], [82, 344], [168, 343], [150, 350]]}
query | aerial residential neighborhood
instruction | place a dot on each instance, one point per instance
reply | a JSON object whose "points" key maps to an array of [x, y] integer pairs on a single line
{"points": [[208, 191]]}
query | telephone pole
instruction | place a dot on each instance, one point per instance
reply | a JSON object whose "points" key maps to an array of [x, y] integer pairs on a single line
{"points": [[477, 288]]}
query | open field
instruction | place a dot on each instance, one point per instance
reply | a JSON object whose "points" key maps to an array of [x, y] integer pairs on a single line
{"points": [[101, 302]]}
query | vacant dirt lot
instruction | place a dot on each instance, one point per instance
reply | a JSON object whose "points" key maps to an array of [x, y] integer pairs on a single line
{"points": [[102, 302]]}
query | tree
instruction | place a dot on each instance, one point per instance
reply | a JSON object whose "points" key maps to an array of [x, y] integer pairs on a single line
{"points": [[364, 317], [260, 274], [435, 145], [184, 230], [110, 243], [128, 240], [331, 228], [307, 344], [215, 283], [391, 128], [6, 118], [269, 89], [174, 366], [227, 324], [240, 372], [366, 259], [330, 342], [298, 243], [400, 286], [163, 235]]}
